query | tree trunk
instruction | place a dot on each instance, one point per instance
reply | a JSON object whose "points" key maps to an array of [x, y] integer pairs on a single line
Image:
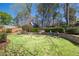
{"points": [[53, 21], [67, 13]]}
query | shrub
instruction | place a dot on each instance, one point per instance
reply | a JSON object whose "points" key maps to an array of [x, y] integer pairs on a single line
{"points": [[54, 29], [8, 30], [73, 30], [3, 37], [35, 29], [27, 28], [47, 29]]}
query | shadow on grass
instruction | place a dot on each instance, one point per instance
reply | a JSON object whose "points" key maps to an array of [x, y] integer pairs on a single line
{"points": [[75, 43]]}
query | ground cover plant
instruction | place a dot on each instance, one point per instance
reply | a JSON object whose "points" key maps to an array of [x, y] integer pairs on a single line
{"points": [[39, 45]]}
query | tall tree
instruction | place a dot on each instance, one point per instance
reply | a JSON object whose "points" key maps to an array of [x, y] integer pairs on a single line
{"points": [[23, 11], [72, 17], [22, 7], [46, 11], [5, 18], [67, 13], [41, 12], [70, 14]]}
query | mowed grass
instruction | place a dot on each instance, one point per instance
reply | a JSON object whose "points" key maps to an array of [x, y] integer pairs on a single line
{"points": [[39, 45]]}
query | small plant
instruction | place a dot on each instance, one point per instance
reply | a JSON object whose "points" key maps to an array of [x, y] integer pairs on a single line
{"points": [[3, 37], [35, 29]]}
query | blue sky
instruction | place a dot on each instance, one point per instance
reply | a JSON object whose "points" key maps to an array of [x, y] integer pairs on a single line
{"points": [[6, 7]]}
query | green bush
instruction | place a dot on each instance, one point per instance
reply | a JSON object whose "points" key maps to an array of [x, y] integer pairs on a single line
{"points": [[47, 29], [73, 30], [35, 29], [27, 28], [3, 37], [8, 30], [55, 29]]}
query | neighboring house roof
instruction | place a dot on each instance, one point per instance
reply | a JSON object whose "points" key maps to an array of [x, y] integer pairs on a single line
{"points": [[35, 25]]}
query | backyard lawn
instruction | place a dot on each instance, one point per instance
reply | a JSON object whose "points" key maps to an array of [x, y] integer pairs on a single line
{"points": [[39, 45]]}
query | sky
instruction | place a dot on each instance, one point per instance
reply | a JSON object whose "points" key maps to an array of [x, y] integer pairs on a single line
{"points": [[7, 7]]}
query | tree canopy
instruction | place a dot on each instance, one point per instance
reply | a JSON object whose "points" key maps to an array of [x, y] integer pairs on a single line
{"points": [[5, 18]]}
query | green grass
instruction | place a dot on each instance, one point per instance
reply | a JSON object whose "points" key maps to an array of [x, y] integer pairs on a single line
{"points": [[39, 45]]}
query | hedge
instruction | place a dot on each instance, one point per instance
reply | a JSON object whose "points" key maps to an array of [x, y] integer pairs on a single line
{"points": [[73, 30], [35, 29], [54, 29]]}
